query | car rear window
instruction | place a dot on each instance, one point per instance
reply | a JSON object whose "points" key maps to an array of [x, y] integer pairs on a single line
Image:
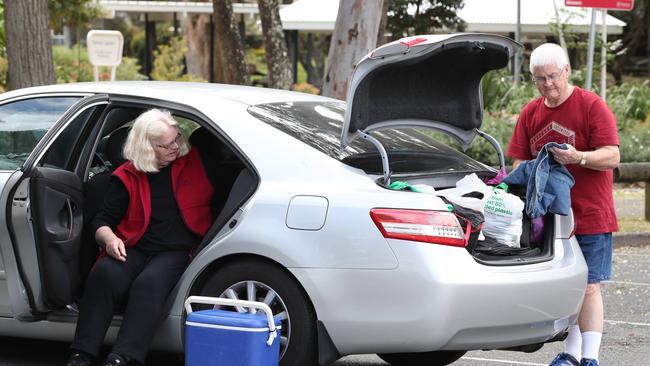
{"points": [[319, 124]]}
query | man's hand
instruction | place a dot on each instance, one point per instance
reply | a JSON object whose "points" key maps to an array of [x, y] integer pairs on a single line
{"points": [[568, 156]]}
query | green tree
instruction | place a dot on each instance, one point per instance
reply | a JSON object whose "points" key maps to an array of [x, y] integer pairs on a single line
{"points": [[409, 17], [72, 13]]}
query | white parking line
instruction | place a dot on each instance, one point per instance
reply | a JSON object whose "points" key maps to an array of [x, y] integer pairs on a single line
{"points": [[503, 361], [627, 283], [617, 322]]}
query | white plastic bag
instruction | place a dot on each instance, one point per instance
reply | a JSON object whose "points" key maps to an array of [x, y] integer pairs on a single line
{"points": [[470, 183], [503, 217]]}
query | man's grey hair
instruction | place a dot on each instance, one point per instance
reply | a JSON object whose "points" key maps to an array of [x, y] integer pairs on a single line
{"points": [[548, 54]]}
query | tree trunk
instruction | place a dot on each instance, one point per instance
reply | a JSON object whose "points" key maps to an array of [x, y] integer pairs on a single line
{"points": [[355, 34], [230, 65], [647, 32], [197, 33], [29, 43], [306, 58], [277, 56], [383, 23]]}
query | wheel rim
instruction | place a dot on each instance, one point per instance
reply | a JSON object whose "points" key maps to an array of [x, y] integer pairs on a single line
{"points": [[258, 291]]}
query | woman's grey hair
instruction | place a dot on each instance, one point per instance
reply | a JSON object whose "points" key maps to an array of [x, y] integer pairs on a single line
{"points": [[139, 147], [548, 54]]}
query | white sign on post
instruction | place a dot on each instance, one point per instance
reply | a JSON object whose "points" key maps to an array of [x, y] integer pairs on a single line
{"points": [[105, 49]]}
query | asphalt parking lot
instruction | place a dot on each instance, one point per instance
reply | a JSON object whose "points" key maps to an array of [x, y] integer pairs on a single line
{"points": [[626, 340]]}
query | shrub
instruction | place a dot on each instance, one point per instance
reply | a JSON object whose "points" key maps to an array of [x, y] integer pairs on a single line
{"points": [[635, 144], [629, 102], [129, 69], [168, 62], [72, 65], [499, 93], [306, 88], [4, 68]]}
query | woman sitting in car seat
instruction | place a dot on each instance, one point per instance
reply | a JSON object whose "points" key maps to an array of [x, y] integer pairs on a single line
{"points": [[156, 209]]}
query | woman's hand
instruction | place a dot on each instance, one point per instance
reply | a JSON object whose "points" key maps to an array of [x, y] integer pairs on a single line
{"points": [[113, 245]]}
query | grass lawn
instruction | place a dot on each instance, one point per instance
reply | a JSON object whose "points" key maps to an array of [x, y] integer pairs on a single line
{"points": [[630, 205]]}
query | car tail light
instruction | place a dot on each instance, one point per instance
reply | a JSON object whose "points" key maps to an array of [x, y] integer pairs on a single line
{"points": [[437, 227]]}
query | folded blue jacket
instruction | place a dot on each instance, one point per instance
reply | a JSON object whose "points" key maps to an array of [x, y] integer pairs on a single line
{"points": [[548, 183]]}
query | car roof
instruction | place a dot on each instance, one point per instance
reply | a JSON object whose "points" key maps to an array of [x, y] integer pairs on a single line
{"points": [[179, 92]]}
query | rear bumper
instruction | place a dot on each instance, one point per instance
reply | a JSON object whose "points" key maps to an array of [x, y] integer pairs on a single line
{"points": [[440, 298]]}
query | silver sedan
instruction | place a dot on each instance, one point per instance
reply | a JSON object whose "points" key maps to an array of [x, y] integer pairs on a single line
{"points": [[306, 221]]}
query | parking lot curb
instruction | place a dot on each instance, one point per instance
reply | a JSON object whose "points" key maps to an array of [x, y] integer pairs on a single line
{"points": [[631, 239]]}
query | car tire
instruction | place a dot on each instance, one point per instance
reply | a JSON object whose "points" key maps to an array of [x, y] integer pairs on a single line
{"points": [[436, 358], [298, 335]]}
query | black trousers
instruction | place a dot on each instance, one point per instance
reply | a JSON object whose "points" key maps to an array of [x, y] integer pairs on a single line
{"points": [[140, 286]]}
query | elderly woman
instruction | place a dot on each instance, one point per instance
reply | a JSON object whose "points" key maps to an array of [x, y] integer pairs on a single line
{"points": [[157, 207]]}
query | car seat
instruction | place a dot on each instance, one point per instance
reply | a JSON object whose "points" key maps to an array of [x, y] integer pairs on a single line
{"points": [[221, 164]]}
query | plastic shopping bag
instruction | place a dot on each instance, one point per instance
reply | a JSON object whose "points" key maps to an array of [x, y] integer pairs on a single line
{"points": [[470, 192], [503, 216]]}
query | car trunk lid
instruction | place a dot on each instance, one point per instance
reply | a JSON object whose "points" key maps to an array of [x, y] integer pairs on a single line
{"points": [[428, 81]]}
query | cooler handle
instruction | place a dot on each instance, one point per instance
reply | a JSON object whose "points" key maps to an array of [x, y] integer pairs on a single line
{"points": [[232, 302]]}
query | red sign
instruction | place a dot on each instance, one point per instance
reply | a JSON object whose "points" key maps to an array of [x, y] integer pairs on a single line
{"points": [[602, 4]]}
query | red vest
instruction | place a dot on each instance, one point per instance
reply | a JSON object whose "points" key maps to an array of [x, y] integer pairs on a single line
{"points": [[191, 187]]}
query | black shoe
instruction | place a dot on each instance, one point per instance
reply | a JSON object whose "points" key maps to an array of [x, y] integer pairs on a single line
{"points": [[78, 358], [113, 359]]}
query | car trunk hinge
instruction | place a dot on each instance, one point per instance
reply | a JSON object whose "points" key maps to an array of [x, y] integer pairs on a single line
{"points": [[495, 143], [384, 156]]}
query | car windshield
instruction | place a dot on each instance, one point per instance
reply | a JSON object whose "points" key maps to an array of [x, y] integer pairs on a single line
{"points": [[319, 124]]}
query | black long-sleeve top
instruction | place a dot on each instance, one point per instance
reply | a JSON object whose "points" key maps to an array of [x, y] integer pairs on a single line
{"points": [[166, 230]]}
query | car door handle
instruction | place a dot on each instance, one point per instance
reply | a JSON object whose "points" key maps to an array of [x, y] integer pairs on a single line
{"points": [[68, 205]]}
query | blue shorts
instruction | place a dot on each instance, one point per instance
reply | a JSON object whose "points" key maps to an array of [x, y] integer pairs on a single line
{"points": [[597, 250]]}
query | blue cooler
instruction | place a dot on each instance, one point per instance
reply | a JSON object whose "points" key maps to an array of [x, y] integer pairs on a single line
{"points": [[230, 338]]}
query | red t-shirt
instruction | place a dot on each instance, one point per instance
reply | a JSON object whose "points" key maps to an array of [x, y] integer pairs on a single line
{"points": [[585, 122]]}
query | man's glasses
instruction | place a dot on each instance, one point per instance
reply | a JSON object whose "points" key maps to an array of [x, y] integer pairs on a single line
{"points": [[548, 79], [172, 145]]}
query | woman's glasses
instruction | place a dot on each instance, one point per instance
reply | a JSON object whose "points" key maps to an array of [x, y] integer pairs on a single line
{"points": [[172, 145]]}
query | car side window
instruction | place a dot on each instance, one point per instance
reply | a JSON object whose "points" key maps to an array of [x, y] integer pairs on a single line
{"points": [[64, 151], [24, 122]]}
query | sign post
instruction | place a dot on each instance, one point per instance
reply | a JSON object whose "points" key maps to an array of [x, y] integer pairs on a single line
{"points": [[603, 5], [105, 49]]}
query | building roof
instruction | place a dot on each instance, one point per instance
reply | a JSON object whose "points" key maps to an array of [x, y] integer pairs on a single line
{"points": [[493, 16], [500, 16], [312, 15]]}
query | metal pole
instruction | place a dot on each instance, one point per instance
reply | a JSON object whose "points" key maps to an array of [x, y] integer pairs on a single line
{"points": [[518, 39], [559, 29], [603, 58], [590, 54]]}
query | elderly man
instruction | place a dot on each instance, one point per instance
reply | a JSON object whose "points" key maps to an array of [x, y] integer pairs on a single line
{"points": [[567, 114]]}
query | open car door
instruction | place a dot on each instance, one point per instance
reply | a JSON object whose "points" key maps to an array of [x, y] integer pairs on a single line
{"points": [[45, 213]]}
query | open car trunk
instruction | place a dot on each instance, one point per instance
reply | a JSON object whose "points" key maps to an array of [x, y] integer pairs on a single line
{"points": [[432, 82]]}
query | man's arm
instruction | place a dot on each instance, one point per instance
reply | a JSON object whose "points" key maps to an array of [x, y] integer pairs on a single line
{"points": [[602, 158]]}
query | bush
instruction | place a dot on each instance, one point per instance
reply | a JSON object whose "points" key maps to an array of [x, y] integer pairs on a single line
{"points": [[630, 103], [72, 65], [499, 93], [168, 62], [306, 88], [635, 144]]}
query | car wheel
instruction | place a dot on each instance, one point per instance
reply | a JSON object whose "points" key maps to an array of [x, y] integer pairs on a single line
{"points": [[260, 281], [436, 358]]}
